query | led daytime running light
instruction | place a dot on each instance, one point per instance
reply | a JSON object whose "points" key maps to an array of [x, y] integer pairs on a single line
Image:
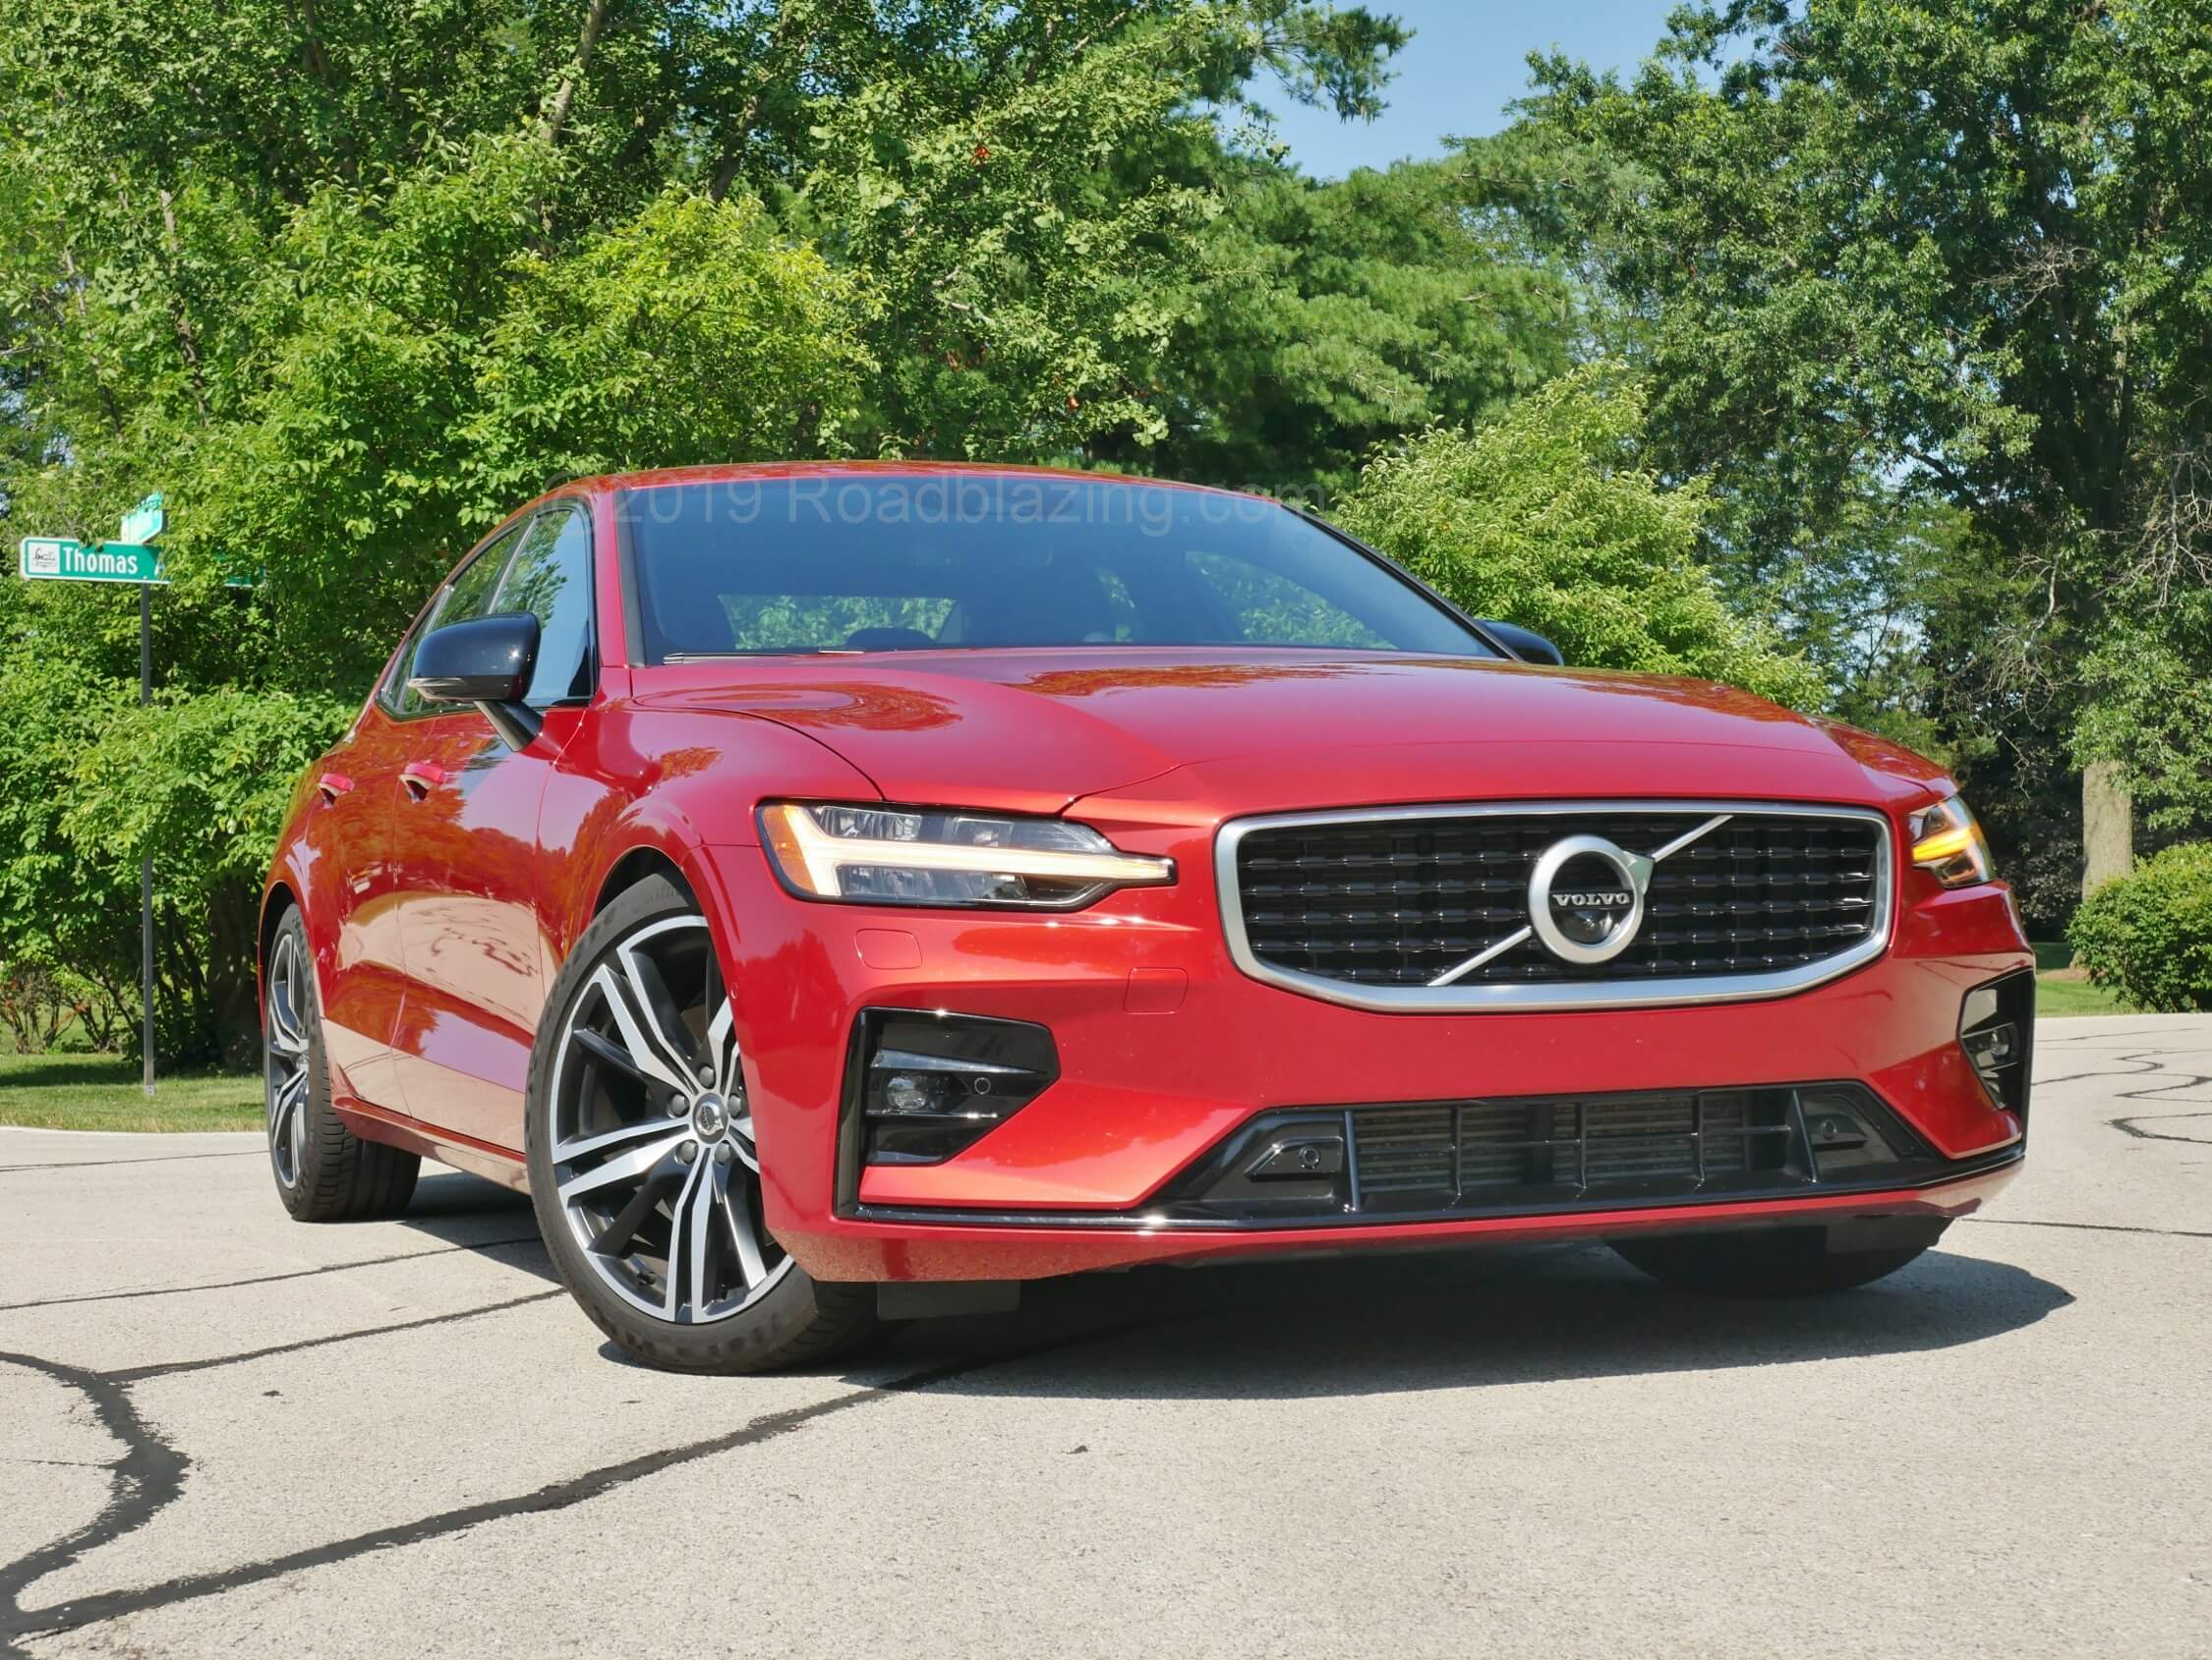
{"points": [[1949, 843], [814, 860]]}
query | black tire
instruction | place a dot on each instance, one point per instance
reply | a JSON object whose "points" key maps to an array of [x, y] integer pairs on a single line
{"points": [[1773, 1262], [784, 1317], [323, 1172]]}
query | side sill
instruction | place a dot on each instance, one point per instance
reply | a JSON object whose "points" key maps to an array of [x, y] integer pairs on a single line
{"points": [[501, 1164]]}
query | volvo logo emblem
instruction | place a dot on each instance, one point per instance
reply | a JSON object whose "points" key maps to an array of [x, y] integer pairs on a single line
{"points": [[1586, 899]]}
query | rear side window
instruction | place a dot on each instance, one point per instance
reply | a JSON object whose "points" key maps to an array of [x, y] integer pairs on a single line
{"points": [[551, 579], [468, 595]]}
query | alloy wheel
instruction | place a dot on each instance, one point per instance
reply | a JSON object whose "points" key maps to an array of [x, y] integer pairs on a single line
{"points": [[656, 1170], [285, 1059]]}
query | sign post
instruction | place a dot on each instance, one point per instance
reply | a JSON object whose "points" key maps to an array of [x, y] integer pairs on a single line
{"points": [[134, 559], [141, 525]]}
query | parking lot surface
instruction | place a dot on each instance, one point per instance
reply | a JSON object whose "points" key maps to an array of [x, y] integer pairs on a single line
{"points": [[222, 1431]]}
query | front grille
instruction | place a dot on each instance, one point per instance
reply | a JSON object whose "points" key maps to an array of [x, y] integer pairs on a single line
{"points": [[1429, 1157], [1547, 1156], [1398, 899]]}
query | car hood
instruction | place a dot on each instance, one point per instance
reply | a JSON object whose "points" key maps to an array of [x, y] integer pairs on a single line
{"points": [[1035, 731]]}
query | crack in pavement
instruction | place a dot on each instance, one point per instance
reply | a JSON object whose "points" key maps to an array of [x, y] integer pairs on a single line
{"points": [[271, 1278], [175, 1368], [2139, 1064], [104, 1164], [2133, 1126], [149, 1476], [2090, 1226]]}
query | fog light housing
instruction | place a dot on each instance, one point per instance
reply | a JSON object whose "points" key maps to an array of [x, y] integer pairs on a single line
{"points": [[927, 1084], [1996, 1030]]}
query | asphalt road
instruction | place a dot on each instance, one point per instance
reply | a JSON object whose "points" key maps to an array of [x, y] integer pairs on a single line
{"points": [[221, 1431]]}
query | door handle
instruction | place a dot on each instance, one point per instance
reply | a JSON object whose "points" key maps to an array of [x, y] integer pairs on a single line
{"points": [[422, 776], [332, 786]]}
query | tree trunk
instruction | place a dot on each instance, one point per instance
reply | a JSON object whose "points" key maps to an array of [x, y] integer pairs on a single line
{"points": [[2108, 826], [564, 95]]}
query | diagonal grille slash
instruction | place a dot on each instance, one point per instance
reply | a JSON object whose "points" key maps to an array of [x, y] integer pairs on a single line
{"points": [[1427, 907], [1521, 936]]}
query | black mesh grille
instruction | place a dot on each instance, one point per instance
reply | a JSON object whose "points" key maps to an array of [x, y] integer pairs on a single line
{"points": [[1398, 901], [1481, 1152], [1549, 1156]]}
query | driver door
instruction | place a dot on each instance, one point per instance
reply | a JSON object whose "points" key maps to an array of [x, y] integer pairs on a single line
{"points": [[467, 861]]}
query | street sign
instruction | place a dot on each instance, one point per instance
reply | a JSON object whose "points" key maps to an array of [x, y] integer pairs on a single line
{"points": [[145, 521], [61, 558]]}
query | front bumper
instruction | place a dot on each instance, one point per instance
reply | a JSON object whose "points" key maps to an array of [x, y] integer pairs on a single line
{"points": [[1166, 1048]]}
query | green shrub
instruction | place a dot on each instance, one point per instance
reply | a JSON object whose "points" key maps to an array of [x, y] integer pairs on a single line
{"points": [[2148, 936]]}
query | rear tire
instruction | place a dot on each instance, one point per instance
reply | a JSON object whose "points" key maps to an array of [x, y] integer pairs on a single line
{"points": [[323, 1172], [1773, 1262], [643, 1168]]}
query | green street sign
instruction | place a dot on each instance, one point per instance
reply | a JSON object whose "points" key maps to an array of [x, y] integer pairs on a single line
{"points": [[145, 521], [59, 559]]}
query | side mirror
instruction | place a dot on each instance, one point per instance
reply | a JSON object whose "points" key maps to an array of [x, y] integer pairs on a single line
{"points": [[487, 661], [1525, 644]]}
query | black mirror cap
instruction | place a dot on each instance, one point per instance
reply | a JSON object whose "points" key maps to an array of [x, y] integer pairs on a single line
{"points": [[484, 661], [1525, 644]]}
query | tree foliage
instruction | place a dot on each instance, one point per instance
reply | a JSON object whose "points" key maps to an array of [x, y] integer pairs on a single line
{"points": [[1549, 515], [347, 284], [1949, 250], [350, 283], [1326, 318]]}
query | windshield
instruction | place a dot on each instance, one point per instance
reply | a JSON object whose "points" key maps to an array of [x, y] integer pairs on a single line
{"points": [[929, 561]]}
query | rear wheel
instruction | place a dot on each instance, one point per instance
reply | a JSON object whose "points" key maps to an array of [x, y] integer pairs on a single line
{"points": [[1777, 1262], [643, 1164], [324, 1172]]}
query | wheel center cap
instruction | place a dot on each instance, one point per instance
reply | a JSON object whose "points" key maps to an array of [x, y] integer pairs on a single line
{"points": [[710, 1116]]}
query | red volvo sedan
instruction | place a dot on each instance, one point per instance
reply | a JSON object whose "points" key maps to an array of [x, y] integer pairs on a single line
{"points": [[846, 890]]}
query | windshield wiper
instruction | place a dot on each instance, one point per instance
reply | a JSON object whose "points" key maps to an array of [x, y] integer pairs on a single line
{"points": [[755, 652]]}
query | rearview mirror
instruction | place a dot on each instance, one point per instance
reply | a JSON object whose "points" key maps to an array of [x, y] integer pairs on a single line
{"points": [[487, 661], [1524, 643]]}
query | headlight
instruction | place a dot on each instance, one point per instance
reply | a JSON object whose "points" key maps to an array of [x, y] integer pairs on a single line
{"points": [[1947, 841], [917, 856]]}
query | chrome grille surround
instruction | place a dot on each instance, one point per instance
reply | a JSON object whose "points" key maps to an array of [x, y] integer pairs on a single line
{"points": [[1642, 991]]}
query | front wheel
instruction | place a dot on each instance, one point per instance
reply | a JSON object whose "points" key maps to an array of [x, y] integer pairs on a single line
{"points": [[643, 1164], [1774, 1262]]}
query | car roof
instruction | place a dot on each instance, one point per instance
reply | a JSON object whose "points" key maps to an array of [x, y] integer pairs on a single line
{"points": [[742, 472]]}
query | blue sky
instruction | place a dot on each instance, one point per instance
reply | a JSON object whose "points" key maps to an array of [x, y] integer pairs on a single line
{"points": [[1468, 59]]}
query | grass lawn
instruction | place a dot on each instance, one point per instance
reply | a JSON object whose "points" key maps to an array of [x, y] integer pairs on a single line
{"points": [[74, 1091], [2061, 990], [2058, 996]]}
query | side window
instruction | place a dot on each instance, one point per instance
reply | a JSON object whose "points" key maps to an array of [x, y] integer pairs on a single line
{"points": [[467, 595], [551, 579]]}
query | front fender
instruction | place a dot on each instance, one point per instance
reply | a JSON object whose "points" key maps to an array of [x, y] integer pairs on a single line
{"points": [[697, 777]]}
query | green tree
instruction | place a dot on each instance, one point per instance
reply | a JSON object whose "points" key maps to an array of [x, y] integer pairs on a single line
{"points": [[351, 282], [1954, 248], [1549, 516], [1325, 319]]}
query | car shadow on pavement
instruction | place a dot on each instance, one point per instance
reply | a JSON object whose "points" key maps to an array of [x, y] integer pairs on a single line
{"points": [[458, 1209], [1386, 1322], [1392, 1324]]}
